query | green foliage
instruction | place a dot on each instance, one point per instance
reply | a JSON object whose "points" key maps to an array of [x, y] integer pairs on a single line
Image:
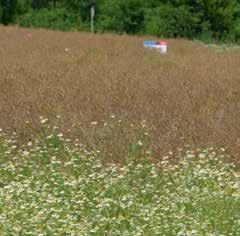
{"points": [[23, 6], [1, 11], [169, 21], [202, 19], [123, 17], [7, 11], [59, 19], [82, 7], [216, 16], [39, 4]]}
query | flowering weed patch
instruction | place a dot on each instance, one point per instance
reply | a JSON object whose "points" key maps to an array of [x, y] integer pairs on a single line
{"points": [[51, 188]]}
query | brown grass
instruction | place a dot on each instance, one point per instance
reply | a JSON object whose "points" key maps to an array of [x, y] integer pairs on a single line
{"points": [[189, 96]]}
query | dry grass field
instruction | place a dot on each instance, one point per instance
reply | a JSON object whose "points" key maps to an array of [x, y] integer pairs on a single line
{"points": [[191, 96]]}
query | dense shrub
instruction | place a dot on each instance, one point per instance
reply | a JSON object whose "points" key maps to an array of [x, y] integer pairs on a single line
{"points": [[169, 21], [7, 11], [55, 19], [39, 4], [216, 16], [23, 7], [0, 12], [206, 20], [121, 16]]}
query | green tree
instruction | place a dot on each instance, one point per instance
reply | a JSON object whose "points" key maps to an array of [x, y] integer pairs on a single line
{"points": [[168, 18], [40, 4], [215, 15], [1, 11], [23, 6], [121, 16], [8, 10], [171, 21]]}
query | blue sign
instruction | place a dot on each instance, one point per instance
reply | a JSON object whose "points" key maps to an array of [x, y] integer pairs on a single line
{"points": [[149, 44]]}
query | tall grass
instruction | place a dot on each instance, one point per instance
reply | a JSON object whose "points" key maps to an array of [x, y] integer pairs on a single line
{"points": [[189, 96], [49, 187]]}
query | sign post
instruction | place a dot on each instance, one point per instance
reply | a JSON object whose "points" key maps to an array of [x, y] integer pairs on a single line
{"points": [[92, 17]]}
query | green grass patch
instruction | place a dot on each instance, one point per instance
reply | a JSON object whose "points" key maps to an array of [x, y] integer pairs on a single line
{"points": [[221, 47]]}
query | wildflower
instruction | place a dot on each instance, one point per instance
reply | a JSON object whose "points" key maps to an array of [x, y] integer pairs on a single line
{"points": [[43, 120], [49, 136], [94, 123], [29, 144], [25, 153], [140, 143], [202, 155], [143, 123]]}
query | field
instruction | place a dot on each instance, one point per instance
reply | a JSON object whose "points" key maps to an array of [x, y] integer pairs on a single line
{"points": [[190, 96], [100, 136]]}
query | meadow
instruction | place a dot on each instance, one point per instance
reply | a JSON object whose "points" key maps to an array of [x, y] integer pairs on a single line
{"points": [[189, 96], [99, 136]]}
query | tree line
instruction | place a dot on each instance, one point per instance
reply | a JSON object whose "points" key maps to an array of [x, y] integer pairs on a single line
{"points": [[202, 19]]}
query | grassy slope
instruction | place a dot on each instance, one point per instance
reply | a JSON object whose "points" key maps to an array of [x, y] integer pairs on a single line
{"points": [[189, 96], [49, 187]]}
